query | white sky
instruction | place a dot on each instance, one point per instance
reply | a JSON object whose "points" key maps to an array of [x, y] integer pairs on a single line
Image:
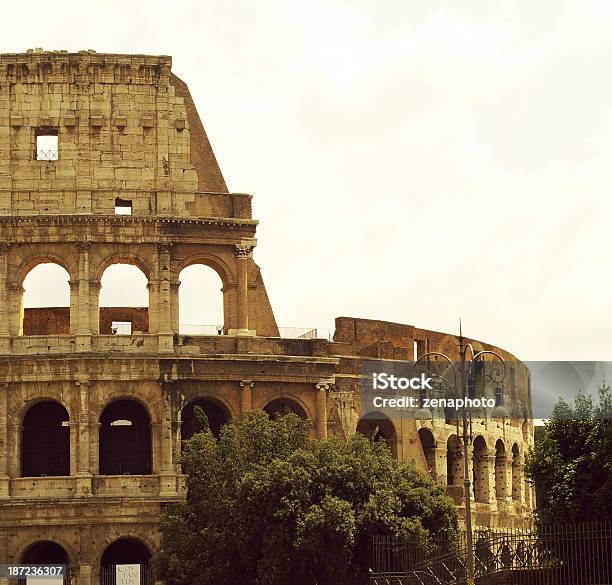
{"points": [[410, 161]]}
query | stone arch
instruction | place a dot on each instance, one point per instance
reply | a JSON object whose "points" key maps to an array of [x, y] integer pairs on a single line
{"points": [[378, 426], [138, 535], [480, 469], [454, 461], [212, 261], [216, 410], [128, 315], [46, 551], [45, 440], [428, 445], [44, 317], [125, 440], [96, 412], [124, 550], [137, 260], [23, 409], [285, 405], [34, 260], [501, 491], [201, 299], [516, 473]]}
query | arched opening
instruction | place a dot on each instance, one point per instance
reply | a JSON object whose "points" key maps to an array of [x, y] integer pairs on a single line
{"points": [[200, 301], [45, 440], [46, 301], [454, 461], [45, 552], [124, 300], [378, 427], [500, 470], [125, 561], [125, 439], [516, 473], [428, 444], [480, 470], [216, 414], [282, 406]]}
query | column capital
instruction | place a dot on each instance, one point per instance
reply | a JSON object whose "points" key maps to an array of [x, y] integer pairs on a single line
{"points": [[164, 247], [83, 245], [5, 247], [326, 384], [244, 249], [16, 287], [247, 384]]}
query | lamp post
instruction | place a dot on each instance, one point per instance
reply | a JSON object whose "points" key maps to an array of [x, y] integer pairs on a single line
{"points": [[459, 382]]}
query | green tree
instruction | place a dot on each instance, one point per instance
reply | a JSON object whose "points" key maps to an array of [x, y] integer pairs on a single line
{"points": [[268, 505], [571, 463]]}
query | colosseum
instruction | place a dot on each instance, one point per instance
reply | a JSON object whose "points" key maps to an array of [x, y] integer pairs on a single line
{"points": [[92, 415]]}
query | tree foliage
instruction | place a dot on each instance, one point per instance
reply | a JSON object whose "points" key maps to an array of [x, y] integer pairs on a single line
{"points": [[571, 463], [268, 505]]}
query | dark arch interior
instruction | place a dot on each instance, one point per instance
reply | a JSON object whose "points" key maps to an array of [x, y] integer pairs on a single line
{"points": [[428, 444], [282, 406], [125, 551], [500, 450], [376, 427], [427, 439], [45, 441], [125, 439], [45, 552], [217, 417], [479, 469]]}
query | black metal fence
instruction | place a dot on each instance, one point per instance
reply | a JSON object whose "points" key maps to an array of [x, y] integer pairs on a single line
{"points": [[564, 554]]}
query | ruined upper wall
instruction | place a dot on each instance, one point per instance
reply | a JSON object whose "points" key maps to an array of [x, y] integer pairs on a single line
{"points": [[124, 123]]}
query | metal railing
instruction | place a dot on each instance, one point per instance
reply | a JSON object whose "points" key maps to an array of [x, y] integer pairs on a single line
{"points": [[284, 332], [50, 155], [108, 575], [563, 554]]}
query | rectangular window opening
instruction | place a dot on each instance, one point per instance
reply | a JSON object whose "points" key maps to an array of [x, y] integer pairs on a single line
{"points": [[47, 144], [121, 327], [123, 207]]}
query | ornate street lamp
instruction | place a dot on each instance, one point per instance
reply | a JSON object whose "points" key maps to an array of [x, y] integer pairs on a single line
{"points": [[460, 383]]}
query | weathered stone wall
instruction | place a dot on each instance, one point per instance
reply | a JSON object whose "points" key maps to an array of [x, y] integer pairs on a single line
{"points": [[128, 130]]}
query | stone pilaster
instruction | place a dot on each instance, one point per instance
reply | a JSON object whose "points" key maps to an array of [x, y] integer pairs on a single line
{"points": [[322, 388], [15, 308], [246, 396], [83, 472], [439, 459], [83, 322], [168, 487], [5, 334], [163, 304], [4, 447], [243, 252], [94, 306]]}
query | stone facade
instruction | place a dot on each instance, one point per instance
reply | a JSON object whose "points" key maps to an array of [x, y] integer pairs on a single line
{"points": [[114, 407]]}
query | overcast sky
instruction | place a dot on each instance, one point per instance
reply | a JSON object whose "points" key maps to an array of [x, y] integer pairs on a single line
{"points": [[410, 161]]}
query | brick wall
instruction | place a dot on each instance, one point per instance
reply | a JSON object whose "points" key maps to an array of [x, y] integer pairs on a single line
{"points": [[56, 320]]}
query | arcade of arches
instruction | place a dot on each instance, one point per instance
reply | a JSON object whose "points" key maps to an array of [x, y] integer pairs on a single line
{"points": [[99, 388], [127, 446]]}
